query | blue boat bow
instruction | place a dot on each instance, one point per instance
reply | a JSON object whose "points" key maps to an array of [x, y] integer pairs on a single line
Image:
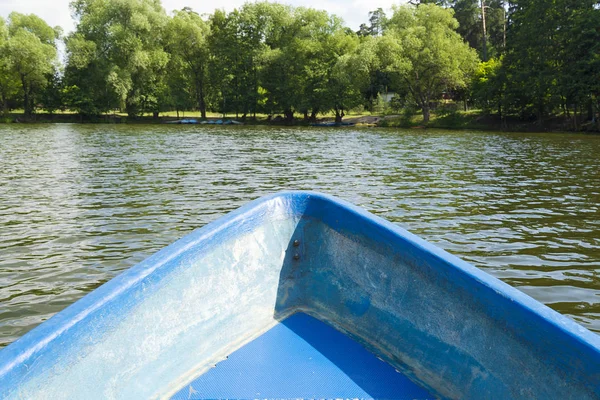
{"points": [[451, 328]]}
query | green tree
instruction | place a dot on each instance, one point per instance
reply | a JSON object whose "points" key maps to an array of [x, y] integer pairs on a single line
{"points": [[291, 61], [482, 23], [367, 73], [379, 80], [429, 56], [51, 96], [377, 20], [36, 25], [468, 15], [240, 42], [349, 78], [530, 65], [299, 73], [221, 62], [177, 91], [86, 89], [275, 75], [363, 31], [32, 56], [9, 81], [319, 40], [578, 59], [186, 41], [118, 43], [487, 86]]}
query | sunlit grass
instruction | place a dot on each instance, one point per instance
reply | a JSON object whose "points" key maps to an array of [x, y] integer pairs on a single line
{"points": [[196, 114]]}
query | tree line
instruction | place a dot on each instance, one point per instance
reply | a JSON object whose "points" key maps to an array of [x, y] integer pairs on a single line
{"points": [[527, 58]]}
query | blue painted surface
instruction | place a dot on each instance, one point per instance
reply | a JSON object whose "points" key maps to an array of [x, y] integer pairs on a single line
{"points": [[452, 328], [332, 124], [302, 358]]}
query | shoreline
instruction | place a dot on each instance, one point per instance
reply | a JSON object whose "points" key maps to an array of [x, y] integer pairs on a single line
{"points": [[454, 121]]}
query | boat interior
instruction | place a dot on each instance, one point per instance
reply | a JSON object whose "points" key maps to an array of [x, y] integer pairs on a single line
{"points": [[302, 357], [300, 295]]}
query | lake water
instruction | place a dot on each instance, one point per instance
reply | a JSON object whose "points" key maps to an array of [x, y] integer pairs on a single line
{"points": [[81, 203]]}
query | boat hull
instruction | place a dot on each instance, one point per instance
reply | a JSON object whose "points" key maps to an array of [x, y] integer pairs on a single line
{"points": [[453, 329]]}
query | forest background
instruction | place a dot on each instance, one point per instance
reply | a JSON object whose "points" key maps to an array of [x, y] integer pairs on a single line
{"points": [[498, 62]]}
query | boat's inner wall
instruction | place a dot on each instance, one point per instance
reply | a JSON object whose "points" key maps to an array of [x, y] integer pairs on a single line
{"points": [[216, 293], [428, 312]]}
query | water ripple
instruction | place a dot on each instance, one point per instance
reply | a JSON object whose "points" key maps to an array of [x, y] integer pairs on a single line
{"points": [[79, 204]]}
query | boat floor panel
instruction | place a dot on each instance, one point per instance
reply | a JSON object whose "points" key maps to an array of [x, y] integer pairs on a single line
{"points": [[302, 357]]}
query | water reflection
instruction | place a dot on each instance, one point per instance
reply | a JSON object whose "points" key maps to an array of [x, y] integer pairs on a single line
{"points": [[80, 203]]}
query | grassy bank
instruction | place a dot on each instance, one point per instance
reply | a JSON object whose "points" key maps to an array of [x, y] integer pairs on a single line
{"points": [[476, 120], [469, 120]]}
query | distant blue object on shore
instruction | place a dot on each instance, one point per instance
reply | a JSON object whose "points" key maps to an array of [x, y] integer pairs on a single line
{"points": [[282, 281], [330, 124], [206, 122]]}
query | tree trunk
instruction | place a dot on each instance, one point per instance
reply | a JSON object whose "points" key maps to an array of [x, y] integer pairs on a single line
{"points": [[289, 115], [306, 115], [202, 104], [426, 112], [26, 105], [130, 108], [503, 26], [597, 116], [200, 94], [4, 106], [540, 113], [339, 114], [484, 30], [131, 111]]}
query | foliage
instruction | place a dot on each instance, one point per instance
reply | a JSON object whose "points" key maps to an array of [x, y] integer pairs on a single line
{"points": [[118, 43], [487, 85], [186, 37], [540, 58], [51, 96], [9, 81], [335, 77], [377, 22], [29, 55], [425, 54], [558, 69], [469, 15]]}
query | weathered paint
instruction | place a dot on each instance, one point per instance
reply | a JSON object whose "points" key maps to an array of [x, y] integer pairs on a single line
{"points": [[458, 331]]}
